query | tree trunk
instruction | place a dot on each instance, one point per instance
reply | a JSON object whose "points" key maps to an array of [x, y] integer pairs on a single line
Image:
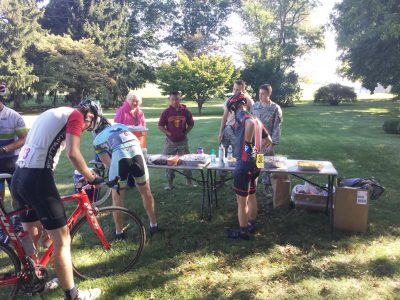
{"points": [[199, 107], [55, 99], [17, 98]]}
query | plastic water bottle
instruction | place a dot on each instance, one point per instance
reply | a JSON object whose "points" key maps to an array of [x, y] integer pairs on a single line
{"points": [[213, 159], [221, 155], [200, 150], [27, 243], [230, 153]]}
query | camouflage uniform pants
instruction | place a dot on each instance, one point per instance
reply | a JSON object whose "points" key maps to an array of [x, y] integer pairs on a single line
{"points": [[173, 148]]}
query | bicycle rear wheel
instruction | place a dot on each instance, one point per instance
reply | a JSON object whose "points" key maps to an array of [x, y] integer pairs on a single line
{"points": [[10, 266], [89, 257]]}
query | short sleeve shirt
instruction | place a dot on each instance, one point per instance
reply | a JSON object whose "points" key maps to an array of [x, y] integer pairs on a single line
{"points": [[12, 126]]}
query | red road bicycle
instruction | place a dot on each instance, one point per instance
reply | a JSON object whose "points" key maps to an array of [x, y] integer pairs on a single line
{"points": [[95, 250]]}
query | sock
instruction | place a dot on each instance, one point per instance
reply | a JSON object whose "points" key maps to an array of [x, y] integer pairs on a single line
{"points": [[251, 222], [243, 230], [118, 232], [153, 225], [71, 294]]}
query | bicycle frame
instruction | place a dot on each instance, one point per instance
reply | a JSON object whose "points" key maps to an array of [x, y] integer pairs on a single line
{"points": [[84, 206]]}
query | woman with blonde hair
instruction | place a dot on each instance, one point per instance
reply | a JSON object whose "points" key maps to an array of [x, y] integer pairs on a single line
{"points": [[129, 113]]}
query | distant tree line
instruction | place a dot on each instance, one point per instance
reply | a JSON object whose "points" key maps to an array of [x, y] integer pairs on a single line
{"points": [[103, 48]]}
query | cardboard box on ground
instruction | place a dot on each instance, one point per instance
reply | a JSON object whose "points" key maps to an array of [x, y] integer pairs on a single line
{"points": [[351, 209], [281, 187]]}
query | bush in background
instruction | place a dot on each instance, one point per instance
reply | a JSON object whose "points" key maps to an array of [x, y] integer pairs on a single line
{"points": [[335, 93], [392, 126]]}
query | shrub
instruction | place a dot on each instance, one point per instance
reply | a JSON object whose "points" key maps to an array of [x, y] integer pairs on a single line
{"points": [[335, 93], [392, 126]]}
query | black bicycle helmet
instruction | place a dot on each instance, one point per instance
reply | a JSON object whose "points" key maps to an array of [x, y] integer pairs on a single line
{"points": [[95, 108], [104, 123], [3, 89], [235, 101]]}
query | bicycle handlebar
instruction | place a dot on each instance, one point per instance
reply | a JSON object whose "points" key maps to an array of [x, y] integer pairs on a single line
{"points": [[110, 183], [5, 175]]}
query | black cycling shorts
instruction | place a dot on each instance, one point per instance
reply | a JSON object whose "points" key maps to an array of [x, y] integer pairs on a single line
{"points": [[245, 178], [134, 166], [7, 165], [36, 188]]}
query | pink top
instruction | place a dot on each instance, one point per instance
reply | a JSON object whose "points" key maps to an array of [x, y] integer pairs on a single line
{"points": [[124, 115]]}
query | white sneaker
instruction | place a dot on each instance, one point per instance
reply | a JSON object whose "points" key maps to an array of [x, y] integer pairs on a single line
{"points": [[52, 284], [88, 294]]}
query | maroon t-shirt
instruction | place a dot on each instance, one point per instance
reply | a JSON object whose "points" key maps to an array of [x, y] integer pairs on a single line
{"points": [[176, 121]]}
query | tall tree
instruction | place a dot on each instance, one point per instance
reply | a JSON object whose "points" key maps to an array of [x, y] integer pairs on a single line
{"points": [[15, 38], [368, 35], [199, 79], [281, 29], [126, 30], [198, 26]]}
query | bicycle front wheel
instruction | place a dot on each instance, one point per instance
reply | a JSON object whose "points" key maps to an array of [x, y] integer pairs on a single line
{"points": [[90, 259], [10, 267], [102, 194]]}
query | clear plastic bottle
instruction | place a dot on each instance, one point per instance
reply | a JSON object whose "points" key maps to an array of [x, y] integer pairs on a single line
{"points": [[230, 153], [213, 159], [27, 243], [221, 155]]}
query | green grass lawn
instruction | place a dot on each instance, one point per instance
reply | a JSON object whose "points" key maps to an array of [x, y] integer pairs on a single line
{"points": [[293, 254]]}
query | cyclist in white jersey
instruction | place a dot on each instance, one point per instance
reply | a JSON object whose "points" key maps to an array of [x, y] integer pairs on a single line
{"points": [[119, 149], [33, 182]]}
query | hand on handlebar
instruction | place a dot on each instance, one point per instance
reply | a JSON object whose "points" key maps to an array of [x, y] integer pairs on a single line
{"points": [[97, 180]]}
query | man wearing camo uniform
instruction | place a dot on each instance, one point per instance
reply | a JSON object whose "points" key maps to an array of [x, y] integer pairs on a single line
{"points": [[270, 115]]}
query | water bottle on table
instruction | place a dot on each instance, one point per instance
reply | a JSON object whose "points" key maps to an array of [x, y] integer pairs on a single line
{"points": [[221, 155], [213, 159], [229, 153]]}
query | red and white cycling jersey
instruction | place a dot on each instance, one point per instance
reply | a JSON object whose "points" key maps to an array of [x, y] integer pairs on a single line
{"points": [[46, 138]]}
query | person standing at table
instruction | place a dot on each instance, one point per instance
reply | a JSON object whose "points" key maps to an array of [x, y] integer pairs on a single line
{"points": [[176, 122], [130, 114], [226, 135], [270, 115], [13, 134], [250, 137], [127, 158]]}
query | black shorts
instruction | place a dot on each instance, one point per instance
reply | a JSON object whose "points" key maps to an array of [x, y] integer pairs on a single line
{"points": [[36, 188], [7, 165], [245, 178], [134, 166]]}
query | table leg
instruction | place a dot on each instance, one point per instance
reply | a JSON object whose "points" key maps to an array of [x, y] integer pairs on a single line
{"points": [[331, 182]]}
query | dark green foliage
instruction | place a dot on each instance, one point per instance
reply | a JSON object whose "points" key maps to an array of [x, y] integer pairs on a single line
{"points": [[199, 25], [198, 79], [392, 126], [368, 36], [15, 39], [335, 93], [285, 87]]}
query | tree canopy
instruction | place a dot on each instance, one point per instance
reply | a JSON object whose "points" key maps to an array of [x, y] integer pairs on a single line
{"points": [[198, 79], [368, 36]]}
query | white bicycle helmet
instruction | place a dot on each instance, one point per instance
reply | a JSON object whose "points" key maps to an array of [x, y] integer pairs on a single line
{"points": [[95, 108]]}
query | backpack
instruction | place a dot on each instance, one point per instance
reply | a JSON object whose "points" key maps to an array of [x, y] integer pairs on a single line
{"points": [[371, 185]]}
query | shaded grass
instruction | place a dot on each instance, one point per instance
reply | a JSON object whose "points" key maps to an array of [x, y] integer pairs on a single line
{"points": [[293, 254]]}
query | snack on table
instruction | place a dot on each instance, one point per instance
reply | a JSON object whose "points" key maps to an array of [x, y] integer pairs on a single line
{"points": [[157, 159], [309, 165], [272, 162], [194, 159], [231, 162], [173, 160]]}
